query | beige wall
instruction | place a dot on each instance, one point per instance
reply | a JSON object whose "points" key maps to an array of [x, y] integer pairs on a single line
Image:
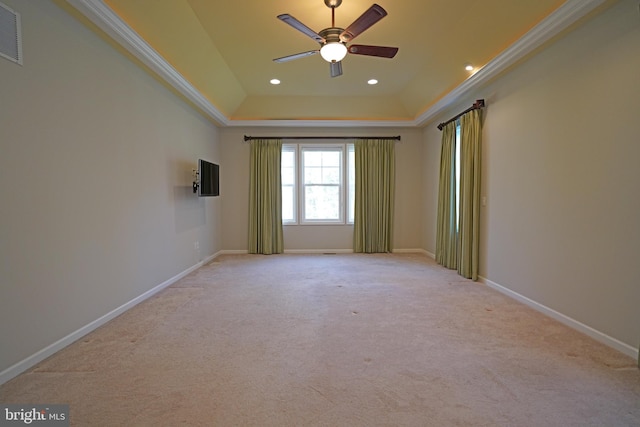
{"points": [[408, 210], [96, 205], [561, 176]]}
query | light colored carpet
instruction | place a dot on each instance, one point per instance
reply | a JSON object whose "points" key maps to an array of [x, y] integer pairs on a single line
{"points": [[334, 340]]}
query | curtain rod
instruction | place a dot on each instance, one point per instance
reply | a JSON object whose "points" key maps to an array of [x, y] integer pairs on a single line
{"points": [[250, 138], [476, 105]]}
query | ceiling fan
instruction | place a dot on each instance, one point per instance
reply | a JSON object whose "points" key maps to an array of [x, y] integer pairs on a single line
{"points": [[333, 40]]}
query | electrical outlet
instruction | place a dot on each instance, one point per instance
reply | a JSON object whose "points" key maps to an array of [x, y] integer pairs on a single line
{"points": [[196, 245]]}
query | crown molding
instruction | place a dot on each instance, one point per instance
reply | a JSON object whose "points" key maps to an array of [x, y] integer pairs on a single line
{"points": [[567, 14], [108, 21], [324, 123]]}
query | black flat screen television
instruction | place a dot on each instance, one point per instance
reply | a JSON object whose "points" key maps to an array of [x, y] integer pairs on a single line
{"points": [[209, 174]]}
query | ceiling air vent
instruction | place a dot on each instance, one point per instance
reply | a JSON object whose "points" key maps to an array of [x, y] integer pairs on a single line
{"points": [[10, 39]]}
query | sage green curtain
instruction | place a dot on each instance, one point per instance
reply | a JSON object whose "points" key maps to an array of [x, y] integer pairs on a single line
{"points": [[265, 198], [446, 231], [469, 219], [374, 195]]}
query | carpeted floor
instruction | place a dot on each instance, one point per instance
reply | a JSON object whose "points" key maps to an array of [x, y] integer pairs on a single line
{"points": [[334, 340]]}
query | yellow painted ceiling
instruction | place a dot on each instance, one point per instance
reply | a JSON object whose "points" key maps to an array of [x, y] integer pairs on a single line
{"points": [[225, 49]]}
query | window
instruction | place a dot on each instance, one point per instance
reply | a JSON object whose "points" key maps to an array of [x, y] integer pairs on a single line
{"points": [[351, 170], [457, 167], [288, 172], [318, 183], [322, 184]]}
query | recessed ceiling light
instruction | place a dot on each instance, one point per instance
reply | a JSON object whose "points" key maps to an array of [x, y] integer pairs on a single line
{"points": [[373, 82], [468, 67], [275, 81]]}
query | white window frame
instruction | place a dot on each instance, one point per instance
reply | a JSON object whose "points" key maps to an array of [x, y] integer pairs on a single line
{"points": [[304, 148], [293, 148], [345, 211]]}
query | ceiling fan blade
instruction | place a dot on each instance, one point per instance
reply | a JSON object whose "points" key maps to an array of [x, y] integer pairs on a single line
{"points": [[288, 19], [296, 56], [366, 20], [336, 68], [380, 51]]}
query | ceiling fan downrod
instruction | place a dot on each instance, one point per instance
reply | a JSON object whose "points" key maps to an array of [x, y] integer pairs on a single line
{"points": [[333, 4]]}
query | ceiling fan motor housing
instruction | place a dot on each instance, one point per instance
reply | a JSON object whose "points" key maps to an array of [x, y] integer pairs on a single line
{"points": [[333, 3], [331, 35]]}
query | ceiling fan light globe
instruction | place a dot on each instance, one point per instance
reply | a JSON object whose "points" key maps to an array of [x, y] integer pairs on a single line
{"points": [[333, 52]]}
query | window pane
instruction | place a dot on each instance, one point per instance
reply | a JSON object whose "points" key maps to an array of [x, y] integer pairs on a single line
{"points": [[312, 158], [288, 167], [331, 175], [351, 166], [457, 167], [331, 158], [312, 175], [322, 202], [288, 159], [288, 176], [288, 201], [288, 173], [321, 175]]}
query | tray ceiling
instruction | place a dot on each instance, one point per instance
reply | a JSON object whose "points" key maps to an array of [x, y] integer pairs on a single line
{"points": [[224, 51]]}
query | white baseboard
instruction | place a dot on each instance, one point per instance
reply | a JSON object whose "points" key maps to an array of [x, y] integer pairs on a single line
{"points": [[414, 251], [572, 323], [18, 368], [327, 251], [233, 252], [318, 251]]}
